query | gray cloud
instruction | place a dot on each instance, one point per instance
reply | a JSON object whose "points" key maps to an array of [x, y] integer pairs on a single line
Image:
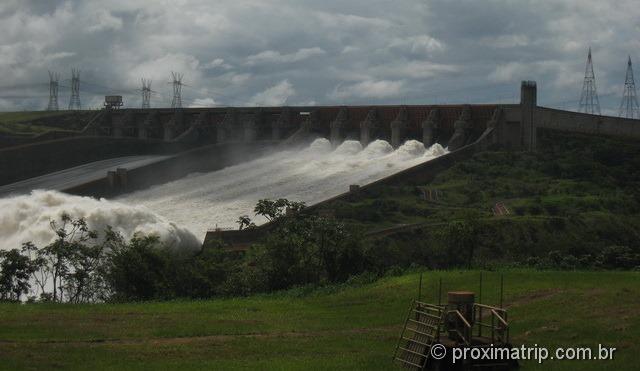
{"points": [[272, 56], [272, 52]]}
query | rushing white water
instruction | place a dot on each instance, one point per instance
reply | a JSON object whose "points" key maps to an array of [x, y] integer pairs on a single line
{"points": [[27, 218], [204, 201], [180, 212]]}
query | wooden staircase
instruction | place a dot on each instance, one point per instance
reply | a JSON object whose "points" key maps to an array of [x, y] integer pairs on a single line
{"points": [[421, 331]]}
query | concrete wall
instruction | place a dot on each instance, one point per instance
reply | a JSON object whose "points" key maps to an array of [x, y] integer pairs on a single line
{"points": [[204, 159], [27, 161], [532, 117], [116, 133], [549, 118], [516, 128], [528, 111], [519, 124], [392, 123]]}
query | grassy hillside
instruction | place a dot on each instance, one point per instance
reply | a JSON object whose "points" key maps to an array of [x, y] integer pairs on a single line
{"points": [[575, 197], [350, 327], [37, 122]]}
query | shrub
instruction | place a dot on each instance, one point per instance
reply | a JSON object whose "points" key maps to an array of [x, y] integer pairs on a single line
{"points": [[305, 250], [386, 206], [141, 269], [535, 210], [557, 224], [618, 257]]}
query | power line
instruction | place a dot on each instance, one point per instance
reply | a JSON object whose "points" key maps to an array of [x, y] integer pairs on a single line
{"points": [[22, 86], [111, 90], [30, 96]]}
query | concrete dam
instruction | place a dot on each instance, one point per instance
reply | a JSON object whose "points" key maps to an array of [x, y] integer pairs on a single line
{"points": [[200, 169]]}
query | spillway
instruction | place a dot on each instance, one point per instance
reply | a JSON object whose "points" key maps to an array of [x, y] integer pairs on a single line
{"points": [[183, 210]]}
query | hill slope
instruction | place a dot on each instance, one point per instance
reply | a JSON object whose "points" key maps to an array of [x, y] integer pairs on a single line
{"points": [[562, 206], [38, 122]]}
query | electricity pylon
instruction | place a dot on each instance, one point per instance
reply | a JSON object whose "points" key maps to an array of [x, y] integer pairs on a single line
{"points": [[146, 93], [589, 102], [54, 77], [629, 106], [177, 90], [74, 101]]}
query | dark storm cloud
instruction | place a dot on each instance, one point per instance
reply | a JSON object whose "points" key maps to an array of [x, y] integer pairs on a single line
{"points": [[275, 52]]}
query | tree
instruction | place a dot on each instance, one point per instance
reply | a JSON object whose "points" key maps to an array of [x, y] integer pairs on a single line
{"points": [[304, 250], [618, 257], [68, 269], [39, 276], [65, 260], [244, 222], [139, 269], [461, 238], [274, 209], [15, 270], [85, 281]]}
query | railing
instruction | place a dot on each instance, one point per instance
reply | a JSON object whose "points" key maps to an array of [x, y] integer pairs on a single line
{"points": [[499, 326], [221, 229], [427, 328], [465, 336], [420, 331]]}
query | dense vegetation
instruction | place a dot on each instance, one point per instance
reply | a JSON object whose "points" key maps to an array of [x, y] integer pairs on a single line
{"points": [[575, 203]]}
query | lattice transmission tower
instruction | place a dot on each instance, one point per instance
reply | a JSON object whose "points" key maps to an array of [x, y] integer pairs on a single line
{"points": [[629, 106], [177, 90], [146, 93], [589, 102], [74, 101], [54, 77]]}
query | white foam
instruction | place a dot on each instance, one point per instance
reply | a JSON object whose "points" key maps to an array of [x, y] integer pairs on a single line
{"points": [[377, 148], [348, 147], [27, 218]]}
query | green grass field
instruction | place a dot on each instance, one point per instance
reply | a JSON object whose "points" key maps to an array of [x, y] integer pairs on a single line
{"points": [[349, 327], [38, 122]]}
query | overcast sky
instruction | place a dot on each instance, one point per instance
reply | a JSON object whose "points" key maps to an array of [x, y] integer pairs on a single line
{"points": [[311, 52]]}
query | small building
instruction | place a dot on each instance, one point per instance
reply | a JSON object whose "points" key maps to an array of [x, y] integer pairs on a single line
{"points": [[112, 101]]}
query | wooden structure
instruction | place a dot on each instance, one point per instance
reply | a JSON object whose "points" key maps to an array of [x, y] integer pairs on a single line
{"points": [[500, 209], [459, 323]]}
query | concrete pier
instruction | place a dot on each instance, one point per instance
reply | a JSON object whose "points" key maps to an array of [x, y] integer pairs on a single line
{"points": [[369, 127], [337, 127], [398, 127], [430, 128]]}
